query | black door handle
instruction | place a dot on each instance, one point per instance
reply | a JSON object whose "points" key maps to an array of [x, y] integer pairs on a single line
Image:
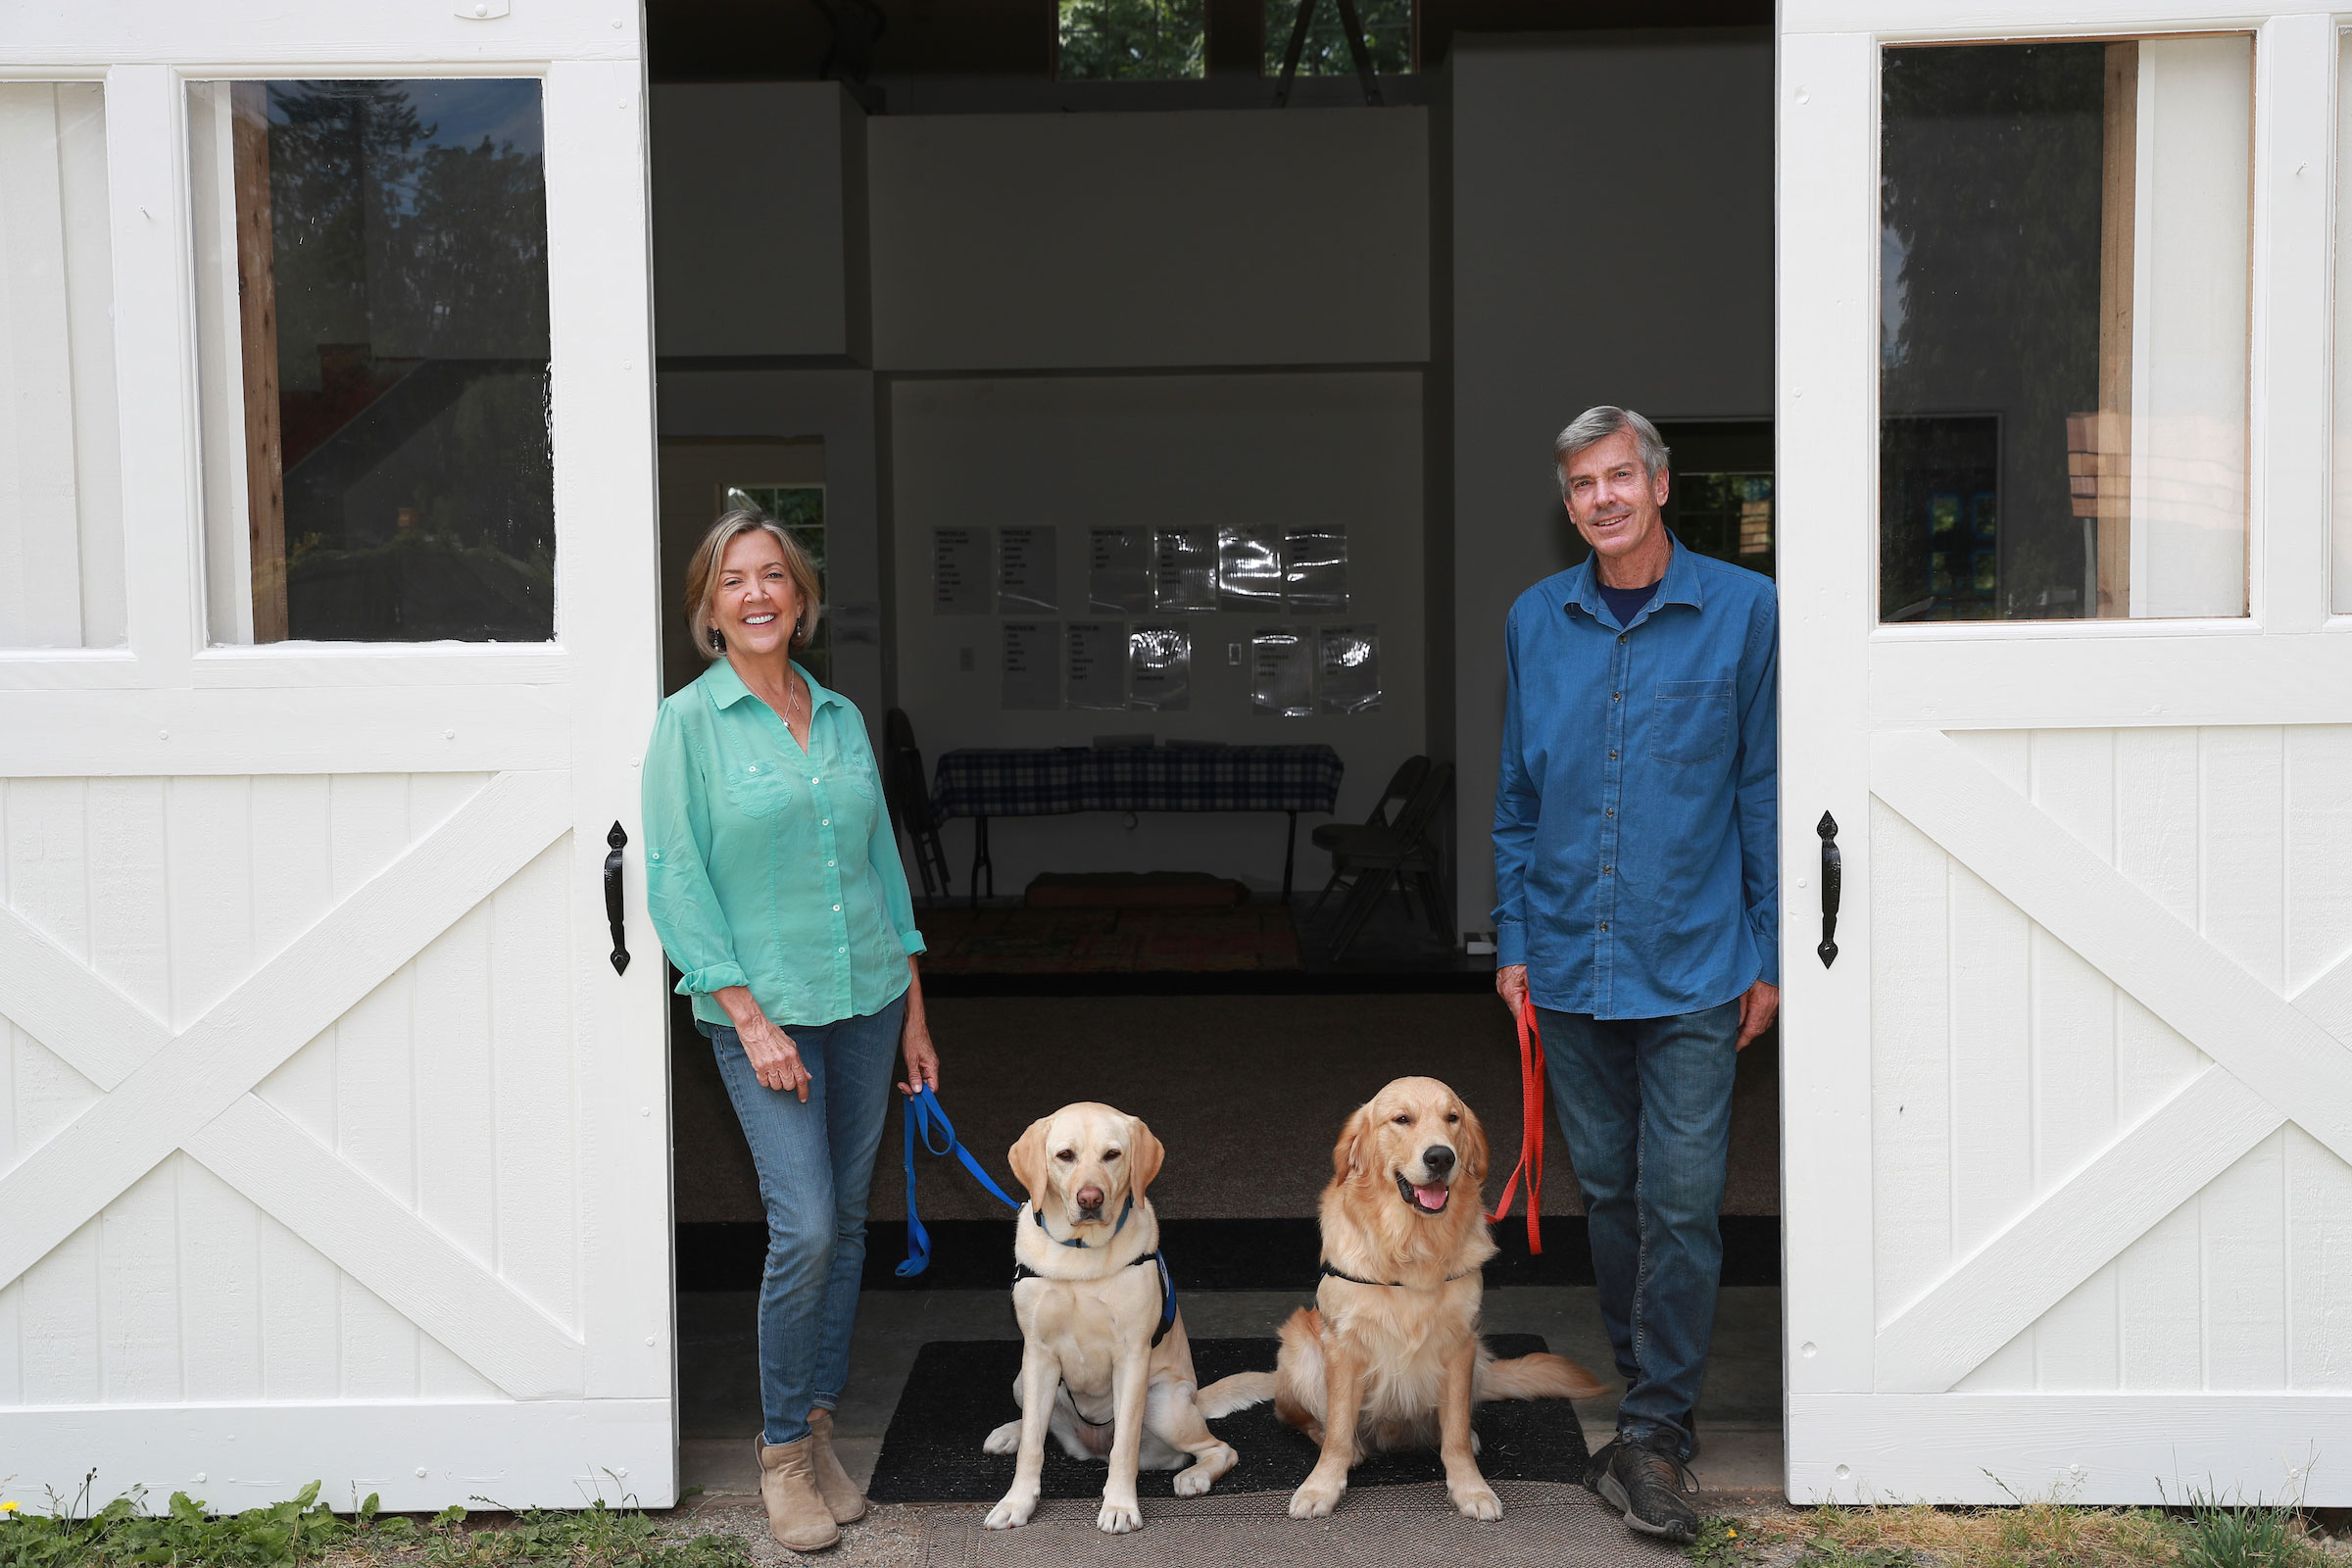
{"points": [[1832, 878], [621, 941]]}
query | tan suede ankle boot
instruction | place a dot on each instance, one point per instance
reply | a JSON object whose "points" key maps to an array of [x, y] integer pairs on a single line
{"points": [[796, 1510], [843, 1500]]}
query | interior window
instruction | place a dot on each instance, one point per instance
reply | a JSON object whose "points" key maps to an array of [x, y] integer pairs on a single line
{"points": [[2063, 305], [1389, 37], [60, 481], [1132, 40], [372, 328], [801, 509]]}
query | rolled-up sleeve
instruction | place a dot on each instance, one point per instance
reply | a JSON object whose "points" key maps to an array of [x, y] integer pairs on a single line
{"points": [[1759, 788], [1516, 807], [684, 905]]}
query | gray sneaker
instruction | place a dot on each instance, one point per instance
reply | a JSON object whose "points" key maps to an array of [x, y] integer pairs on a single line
{"points": [[1648, 1485]]}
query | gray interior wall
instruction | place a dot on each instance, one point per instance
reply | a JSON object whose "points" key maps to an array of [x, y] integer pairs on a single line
{"points": [[1159, 450], [1612, 243], [758, 249], [1007, 242]]}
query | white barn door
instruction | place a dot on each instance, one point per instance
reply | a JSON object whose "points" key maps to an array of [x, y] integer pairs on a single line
{"points": [[2069, 1207], [332, 1145]]}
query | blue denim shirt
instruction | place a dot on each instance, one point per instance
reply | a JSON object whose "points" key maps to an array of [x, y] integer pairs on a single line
{"points": [[1637, 862]]}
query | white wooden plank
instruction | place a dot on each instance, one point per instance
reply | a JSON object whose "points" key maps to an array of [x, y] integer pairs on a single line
{"points": [[2020, 1272], [2318, 852], [457, 1159], [220, 1287], [459, 727], [2213, 1001], [320, 33], [2089, 1448], [138, 1292], [2319, 1201], [1911, 1070], [1993, 1087], [48, 874], [2243, 1230], [390, 1251], [2078, 1344], [40, 559], [2243, 846], [1826, 103], [301, 1316], [207, 889], [2161, 1306], [2068, 674], [12, 1368], [89, 307], [551, 1454], [57, 1317], [537, 1177], [2013, 18], [286, 1003], [130, 926], [293, 886], [53, 996]]}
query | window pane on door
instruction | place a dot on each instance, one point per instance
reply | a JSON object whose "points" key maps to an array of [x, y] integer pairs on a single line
{"points": [[371, 290], [61, 472], [2063, 307]]}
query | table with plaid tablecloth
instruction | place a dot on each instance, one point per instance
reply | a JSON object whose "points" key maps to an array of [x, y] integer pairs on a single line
{"points": [[981, 782]]}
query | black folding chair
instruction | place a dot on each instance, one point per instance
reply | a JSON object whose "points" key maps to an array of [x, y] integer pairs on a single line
{"points": [[1399, 855], [1332, 836], [907, 791]]}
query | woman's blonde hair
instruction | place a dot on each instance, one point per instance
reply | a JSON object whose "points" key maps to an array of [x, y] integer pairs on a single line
{"points": [[702, 579]]}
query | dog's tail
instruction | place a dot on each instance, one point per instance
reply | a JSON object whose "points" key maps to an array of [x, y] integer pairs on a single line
{"points": [[1540, 1376], [1237, 1393]]}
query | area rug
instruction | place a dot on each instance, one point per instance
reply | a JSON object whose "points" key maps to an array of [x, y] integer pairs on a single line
{"points": [[1544, 1524], [1101, 941], [962, 1390]]}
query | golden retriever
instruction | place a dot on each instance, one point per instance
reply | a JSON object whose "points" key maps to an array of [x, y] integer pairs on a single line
{"points": [[1106, 1367], [1390, 1356]]}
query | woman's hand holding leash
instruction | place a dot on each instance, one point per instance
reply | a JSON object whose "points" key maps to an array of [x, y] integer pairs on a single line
{"points": [[914, 1039], [1510, 984]]}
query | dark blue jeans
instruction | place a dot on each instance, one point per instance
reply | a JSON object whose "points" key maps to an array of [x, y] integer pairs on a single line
{"points": [[815, 1163], [1646, 1104]]}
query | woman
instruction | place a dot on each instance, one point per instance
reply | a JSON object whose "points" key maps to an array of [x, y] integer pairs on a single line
{"points": [[774, 881]]}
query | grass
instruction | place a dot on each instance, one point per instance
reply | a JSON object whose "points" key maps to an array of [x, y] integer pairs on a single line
{"points": [[302, 1530], [2203, 1533]]}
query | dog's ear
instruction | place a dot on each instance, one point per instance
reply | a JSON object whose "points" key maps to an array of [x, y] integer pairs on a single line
{"points": [[1027, 1156], [1351, 1155], [1146, 1152], [1475, 1150]]}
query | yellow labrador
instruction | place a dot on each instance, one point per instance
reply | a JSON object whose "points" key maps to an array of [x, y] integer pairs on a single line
{"points": [[1390, 1356], [1105, 1368]]}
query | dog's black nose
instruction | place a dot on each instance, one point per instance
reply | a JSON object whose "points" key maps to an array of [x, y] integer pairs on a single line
{"points": [[1437, 1158]]}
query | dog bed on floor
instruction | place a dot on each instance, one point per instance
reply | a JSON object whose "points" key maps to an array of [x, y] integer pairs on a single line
{"points": [[962, 1390]]}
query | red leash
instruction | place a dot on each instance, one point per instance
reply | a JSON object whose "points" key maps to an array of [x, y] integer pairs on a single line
{"points": [[1530, 1129]]}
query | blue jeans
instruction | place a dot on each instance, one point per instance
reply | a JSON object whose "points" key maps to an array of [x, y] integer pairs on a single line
{"points": [[815, 1163], [1646, 1104]]}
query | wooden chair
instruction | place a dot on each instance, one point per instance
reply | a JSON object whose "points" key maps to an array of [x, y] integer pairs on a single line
{"points": [[1399, 855], [907, 792], [1330, 836]]}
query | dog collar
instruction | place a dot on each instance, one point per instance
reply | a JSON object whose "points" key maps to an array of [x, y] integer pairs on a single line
{"points": [[1039, 1216], [1329, 1272]]}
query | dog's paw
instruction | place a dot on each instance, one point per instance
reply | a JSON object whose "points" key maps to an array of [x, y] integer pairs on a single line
{"points": [[1004, 1440], [1120, 1515], [1316, 1498], [1013, 1512], [1196, 1478], [1476, 1503]]}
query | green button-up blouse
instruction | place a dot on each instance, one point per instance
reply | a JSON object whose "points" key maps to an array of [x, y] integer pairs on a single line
{"points": [[770, 867]]}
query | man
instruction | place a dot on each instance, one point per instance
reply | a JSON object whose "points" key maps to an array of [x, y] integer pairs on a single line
{"points": [[1638, 881]]}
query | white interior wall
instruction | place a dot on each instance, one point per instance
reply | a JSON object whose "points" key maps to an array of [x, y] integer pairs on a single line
{"points": [[1125, 240], [1163, 450], [1612, 243]]}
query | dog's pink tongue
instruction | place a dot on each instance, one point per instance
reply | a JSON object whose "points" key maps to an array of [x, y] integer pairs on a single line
{"points": [[1432, 1195]]}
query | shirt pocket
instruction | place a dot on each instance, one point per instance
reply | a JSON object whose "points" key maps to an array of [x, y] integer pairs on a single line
{"points": [[758, 789], [1690, 720]]}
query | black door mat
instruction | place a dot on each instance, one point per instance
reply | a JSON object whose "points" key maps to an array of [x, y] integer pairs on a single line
{"points": [[962, 1390], [1543, 1526]]}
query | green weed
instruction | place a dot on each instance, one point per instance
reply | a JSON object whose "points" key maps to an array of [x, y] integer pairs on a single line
{"points": [[2242, 1534]]}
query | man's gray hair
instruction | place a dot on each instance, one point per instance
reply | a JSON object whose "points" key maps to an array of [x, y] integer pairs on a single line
{"points": [[1598, 425]]}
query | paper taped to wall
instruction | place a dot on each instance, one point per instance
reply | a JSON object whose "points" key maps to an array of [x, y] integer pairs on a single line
{"points": [[1026, 578], [1032, 665], [1250, 570], [1315, 570], [1350, 672], [1184, 569], [1118, 571], [1282, 671], [960, 571], [1159, 668], [1095, 664]]}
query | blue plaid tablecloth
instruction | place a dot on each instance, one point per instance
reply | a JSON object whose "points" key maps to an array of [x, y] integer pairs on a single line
{"points": [[1009, 782]]}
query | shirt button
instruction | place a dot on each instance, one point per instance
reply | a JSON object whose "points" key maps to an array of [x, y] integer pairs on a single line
{"points": [[1612, 757], [1608, 811], [1608, 870], [827, 822], [841, 950], [814, 779], [1604, 925], [1616, 697], [837, 909], [1621, 636], [754, 768], [829, 862]]}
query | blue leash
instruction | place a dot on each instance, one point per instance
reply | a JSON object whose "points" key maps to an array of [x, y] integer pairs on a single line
{"points": [[925, 1108]]}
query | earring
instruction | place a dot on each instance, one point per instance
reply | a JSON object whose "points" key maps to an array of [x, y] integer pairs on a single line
{"points": [[719, 641]]}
